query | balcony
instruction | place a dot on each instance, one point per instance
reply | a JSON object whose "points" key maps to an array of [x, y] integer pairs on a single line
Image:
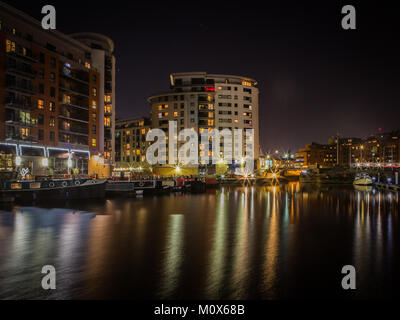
{"points": [[76, 91], [20, 71], [20, 55], [75, 77], [19, 87], [74, 130], [70, 104], [72, 117], [18, 104], [16, 136]]}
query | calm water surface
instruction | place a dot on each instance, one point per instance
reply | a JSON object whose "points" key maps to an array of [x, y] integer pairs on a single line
{"points": [[288, 241]]}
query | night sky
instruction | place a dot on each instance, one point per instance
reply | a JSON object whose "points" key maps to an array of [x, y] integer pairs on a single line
{"points": [[315, 78]]}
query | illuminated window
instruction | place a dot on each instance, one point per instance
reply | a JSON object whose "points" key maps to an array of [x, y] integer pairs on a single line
{"points": [[52, 122], [141, 123], [66, 98], [246, 83], [94, 92], [143, 131], [40, 104], [107, 109], [25, 117], [137, 152], [210, 114], [94, 104], [107, 121], [10, 46], [175, 114], [210, 122], [24, 132], [127, 152], [94, 142], [107, 98], [87, 64]]}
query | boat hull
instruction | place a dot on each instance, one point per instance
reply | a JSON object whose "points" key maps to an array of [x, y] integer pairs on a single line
{"points": [[88, 190], [363, 182]]}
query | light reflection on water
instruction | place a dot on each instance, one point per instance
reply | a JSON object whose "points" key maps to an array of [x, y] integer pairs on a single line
{"points": [[233, 243]]}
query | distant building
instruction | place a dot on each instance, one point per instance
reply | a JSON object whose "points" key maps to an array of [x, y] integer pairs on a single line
{"points": [[381, 148], [130, 141], [51, 98]]}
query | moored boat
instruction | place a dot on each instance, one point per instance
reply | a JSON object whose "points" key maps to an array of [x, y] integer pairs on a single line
{"points": [[55, 189], [362, 179]]}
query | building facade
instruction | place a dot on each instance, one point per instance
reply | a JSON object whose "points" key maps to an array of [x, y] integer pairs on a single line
{"points": [[378, 149], [202, 101], [130, 142], [102, 49], [51, 98]]}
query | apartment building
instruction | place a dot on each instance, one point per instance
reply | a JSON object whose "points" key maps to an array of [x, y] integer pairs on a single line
{"points": [[51, 98], [130, 141], [102, 48], [380, 148], [202, 101]]}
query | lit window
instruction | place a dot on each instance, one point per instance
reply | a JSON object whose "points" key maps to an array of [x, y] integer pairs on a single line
{"points": [[94, 104], [143, 131], [66, 98], [10, 46], [87, 64], [24, 132], [52, 122], [107, 121], [40, 104], [94, 91], [94, 142], [175, 114]]}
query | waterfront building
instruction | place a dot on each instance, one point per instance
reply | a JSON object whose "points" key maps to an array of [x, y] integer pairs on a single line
{"points": [[130, 142], [102, 48], [377, 149], [202, 101], [51, 99]]}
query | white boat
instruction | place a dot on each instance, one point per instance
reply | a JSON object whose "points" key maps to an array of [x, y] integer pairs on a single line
{"points": [[362, 179]]}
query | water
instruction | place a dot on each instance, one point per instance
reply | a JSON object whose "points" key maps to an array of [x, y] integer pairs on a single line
{"points": [[287, 241]]}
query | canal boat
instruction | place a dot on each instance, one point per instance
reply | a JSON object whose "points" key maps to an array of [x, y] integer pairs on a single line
{"points": [[362, 179], [136, 187], [54, 189]]}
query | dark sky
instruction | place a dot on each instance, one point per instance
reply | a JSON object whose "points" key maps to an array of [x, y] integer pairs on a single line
{"points": [[315, 78]]}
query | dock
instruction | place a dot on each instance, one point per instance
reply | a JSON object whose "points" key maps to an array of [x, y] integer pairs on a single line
{"points": [[386, 186]]}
